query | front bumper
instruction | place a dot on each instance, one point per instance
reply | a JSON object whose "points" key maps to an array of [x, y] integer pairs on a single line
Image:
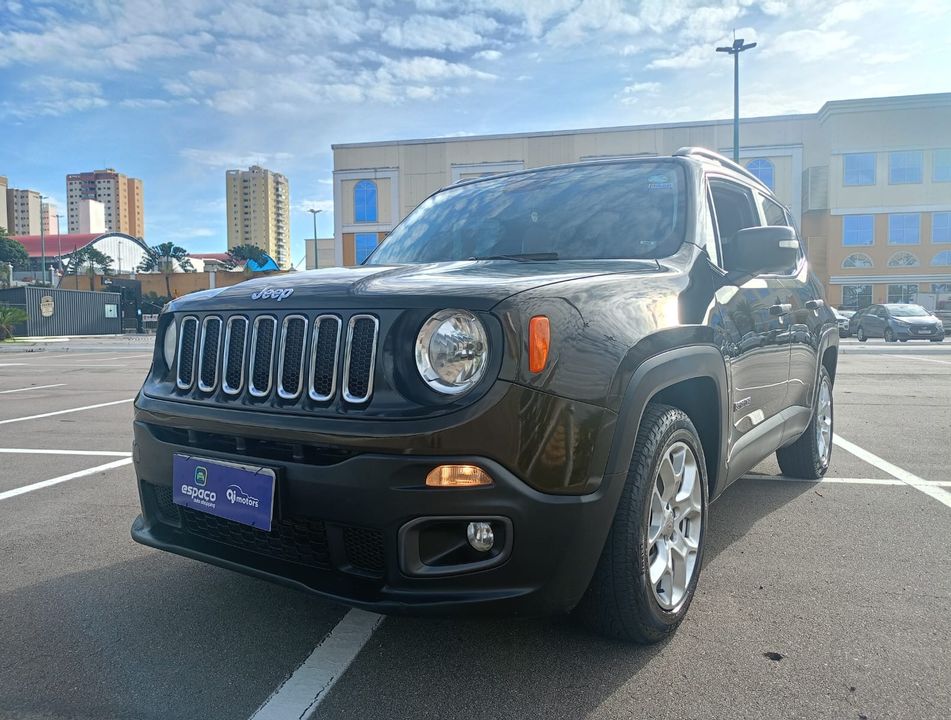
{"points": [[339, 510], [912, 332]]}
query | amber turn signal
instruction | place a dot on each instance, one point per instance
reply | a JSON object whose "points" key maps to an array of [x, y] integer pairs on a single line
{"points": [[457, 476], [539, 339]]}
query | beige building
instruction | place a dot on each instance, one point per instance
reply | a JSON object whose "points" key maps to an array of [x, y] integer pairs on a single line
{"points": [[258, 207], [121, 197], [4, 184], [23, 211], [319, 253], [869, 181], [49, 219]]}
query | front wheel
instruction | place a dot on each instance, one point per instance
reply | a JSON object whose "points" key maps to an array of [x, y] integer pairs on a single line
{"points": [[809, 456], [648, 570], [937, 339], [860, 334]]}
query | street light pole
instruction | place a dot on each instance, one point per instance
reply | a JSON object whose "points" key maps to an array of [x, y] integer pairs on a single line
{"points": [[735, 49], [43, 240], [59, 237], [314, 213]]}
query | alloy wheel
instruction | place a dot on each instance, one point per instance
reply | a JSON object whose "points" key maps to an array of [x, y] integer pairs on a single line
{"points": [[824, 421], [674, 526]]}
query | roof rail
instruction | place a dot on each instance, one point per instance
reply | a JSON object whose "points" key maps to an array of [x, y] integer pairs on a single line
{"points": [[724, 161]]}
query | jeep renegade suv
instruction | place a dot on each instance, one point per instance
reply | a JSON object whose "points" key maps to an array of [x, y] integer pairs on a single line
{"points": [[524, 400]]}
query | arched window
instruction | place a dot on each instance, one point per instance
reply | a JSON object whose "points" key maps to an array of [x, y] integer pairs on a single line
{"points": [[763, 169], [942, 258], [364, 201], [857, 260], [903, 259]]}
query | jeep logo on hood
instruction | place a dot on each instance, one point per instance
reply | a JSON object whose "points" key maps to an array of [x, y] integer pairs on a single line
{"points": [[272, 293]]}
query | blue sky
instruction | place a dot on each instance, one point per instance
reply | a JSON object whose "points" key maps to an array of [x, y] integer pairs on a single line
{"points": [[176, 92]]}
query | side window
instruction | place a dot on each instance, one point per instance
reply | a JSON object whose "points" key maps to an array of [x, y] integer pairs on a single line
{"points": [[773, 212], [735, 211]]}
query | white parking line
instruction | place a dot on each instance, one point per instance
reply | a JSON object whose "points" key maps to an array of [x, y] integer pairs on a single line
{"points": [[64, 478], [923, 359], [847, 481], [43, 451], [64, 412], [307, 687], [928, 488], [32, 387]]}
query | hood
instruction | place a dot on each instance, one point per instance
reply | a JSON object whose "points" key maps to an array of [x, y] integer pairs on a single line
{"points": [[477, 285], [925, 320]]}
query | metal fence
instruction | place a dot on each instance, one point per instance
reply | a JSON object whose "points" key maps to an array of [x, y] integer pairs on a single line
{"points": [[52, 312]]}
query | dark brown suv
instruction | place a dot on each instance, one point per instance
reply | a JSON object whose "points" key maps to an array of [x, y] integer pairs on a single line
{"points": [[524, 400]]}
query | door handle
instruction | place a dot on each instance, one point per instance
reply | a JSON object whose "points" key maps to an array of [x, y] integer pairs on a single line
{"points": [[780, 309], [815, 304]]}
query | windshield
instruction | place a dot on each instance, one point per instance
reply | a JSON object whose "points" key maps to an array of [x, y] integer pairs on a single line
{"points": [[617, 210], [907, 311]]}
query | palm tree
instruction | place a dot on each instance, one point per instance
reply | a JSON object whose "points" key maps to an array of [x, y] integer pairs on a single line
{"points": [[241, 254], [93, 262], [10, 316], [164, 258]]}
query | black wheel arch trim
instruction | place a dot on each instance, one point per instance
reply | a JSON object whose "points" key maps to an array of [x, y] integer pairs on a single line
{"points": [[654, 375]]}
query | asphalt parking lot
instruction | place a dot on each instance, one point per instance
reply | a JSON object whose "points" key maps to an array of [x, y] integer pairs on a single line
{"points": [[828, 600]]}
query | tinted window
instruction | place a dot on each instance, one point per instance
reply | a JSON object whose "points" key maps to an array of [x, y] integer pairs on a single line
{"points": [[904, 167], [907, 311], [617, 210], [858, 230], [774, 213], [858, 169]]}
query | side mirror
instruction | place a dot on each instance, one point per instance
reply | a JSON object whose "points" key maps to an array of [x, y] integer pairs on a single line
{"points": [[762, 250]]}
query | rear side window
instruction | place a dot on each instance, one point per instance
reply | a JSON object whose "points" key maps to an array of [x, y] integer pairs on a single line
{"points": [[773, 212]]}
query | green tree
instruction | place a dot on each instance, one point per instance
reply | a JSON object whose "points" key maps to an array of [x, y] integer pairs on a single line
{"points": [[164, 258], [242, 253], [12, 251], [9, 317], [90, 261]]}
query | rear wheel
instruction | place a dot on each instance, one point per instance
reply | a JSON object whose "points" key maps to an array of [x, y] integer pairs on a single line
{"points": [[648, 570], [809, 456], [860, 334]]}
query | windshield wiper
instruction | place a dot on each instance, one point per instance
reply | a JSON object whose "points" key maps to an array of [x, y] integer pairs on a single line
{"points": [[519, 257]]}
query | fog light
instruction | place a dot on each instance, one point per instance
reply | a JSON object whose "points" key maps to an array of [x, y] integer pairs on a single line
{"points": [[457, 476], [480, 536]]}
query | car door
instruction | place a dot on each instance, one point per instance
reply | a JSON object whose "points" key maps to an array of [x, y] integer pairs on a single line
{"points": [[808, 314], [752, 318], [874, 322]]}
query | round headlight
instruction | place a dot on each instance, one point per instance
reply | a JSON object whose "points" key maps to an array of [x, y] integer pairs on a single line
{"points": [[170, 344], [451, 351]]}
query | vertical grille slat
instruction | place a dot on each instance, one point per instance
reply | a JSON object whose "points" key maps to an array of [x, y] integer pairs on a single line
{"points": [[187, 338], [360, 358], [262, 355], [325, 354], [233, 364], [291, 364], [208, 356]]}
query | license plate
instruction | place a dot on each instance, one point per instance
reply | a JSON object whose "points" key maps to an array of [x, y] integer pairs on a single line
{"points": [[242, 493], [923, 331]]}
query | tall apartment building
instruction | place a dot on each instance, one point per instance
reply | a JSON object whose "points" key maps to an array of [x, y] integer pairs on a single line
{"points": [[868, 181], [3, 203], [258, 207], [23, 211], [49, 219], [121, 197]]}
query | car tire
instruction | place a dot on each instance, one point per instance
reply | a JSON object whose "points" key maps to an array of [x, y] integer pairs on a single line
{"points": [[889, 335], [621, 601], [809, 456], [860, 334], [937, 339]]}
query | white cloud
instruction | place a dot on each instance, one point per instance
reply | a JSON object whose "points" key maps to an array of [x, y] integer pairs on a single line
{"points": [[487, 55], [232, 160], [630, 94], [431, 32], [809, 45]]}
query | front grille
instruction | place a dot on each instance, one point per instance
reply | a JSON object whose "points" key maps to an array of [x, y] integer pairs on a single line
{"points": [[291, 366], [360, 358], [295, 539], [292, 359], [208, 356], [186, 352], [262, 353]]}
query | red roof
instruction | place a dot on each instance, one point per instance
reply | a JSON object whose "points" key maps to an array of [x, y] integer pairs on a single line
{"points": [[34, 247]]}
